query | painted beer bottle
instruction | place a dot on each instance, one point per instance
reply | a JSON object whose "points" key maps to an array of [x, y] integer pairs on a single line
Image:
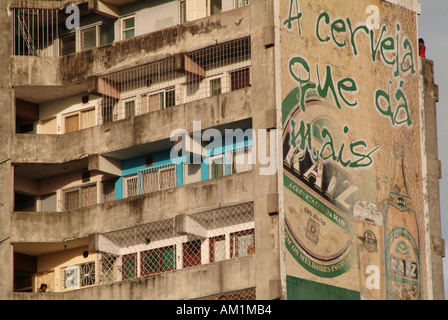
{"points": [[403, 280]]}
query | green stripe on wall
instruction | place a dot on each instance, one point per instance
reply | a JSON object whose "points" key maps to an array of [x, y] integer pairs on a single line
{"points": [[301, 289]]}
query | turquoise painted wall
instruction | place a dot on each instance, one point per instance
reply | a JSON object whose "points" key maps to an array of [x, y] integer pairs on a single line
{"points": [[132, 166]]}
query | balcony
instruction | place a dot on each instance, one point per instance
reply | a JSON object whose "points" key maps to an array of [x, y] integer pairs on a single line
{"points": [[54, 230], [150, 235]]}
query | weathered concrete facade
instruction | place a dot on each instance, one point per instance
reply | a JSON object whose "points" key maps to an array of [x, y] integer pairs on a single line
{"points": [[263, 220]]}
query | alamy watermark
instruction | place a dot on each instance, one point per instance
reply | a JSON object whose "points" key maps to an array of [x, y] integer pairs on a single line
{"points": [[202, 145]]}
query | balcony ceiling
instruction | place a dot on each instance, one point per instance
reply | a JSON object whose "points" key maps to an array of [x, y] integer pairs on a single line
{"points": [[119, 3], [40, 94], [47, 170], [41, 248]]}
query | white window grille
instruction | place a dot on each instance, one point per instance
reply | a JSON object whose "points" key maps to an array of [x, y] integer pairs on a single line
{"points": [[78, 276], [130, 186], [168, 245], [157, 178]]}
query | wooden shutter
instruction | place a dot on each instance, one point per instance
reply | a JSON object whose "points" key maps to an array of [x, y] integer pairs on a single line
{"points": [[87, 118], [49, 126], [72, 123]]}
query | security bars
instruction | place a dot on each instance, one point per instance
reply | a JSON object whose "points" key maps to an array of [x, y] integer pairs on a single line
{"points": [[179, 79], [177, 243], [35, 32]]}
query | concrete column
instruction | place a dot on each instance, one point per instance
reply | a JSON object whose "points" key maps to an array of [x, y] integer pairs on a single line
{"points": [[6, 170], [432, 173], [263, 102]]}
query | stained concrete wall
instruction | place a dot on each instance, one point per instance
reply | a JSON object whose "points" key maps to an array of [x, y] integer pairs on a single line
{"points": [[191, 283], [6, 175], [432, 167], [53, 227], [114, 136]]}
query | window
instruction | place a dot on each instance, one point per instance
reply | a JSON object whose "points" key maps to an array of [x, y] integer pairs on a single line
{"points": [[158, 260], [129, 266], [130, 186], [72, 123], [80, 197], [215, 86], [242, 243], [182, 11], [170, 97], [196, 9], [241, 3], [67, 43], [82, 275], [88, 38], [108, 191], [217, 166], [87, 118], [129, 107], [241, 159], [80, 120], [155, 102], [48, 202], [71, 200], [240, 79], [158, 178], [106, 33], [108, 110], [217, 248], [215, 6], [49, 126], [128, 28], [191, 253]]}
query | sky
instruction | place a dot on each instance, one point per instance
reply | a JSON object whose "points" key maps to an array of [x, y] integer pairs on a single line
{"points": [[433, 28]]}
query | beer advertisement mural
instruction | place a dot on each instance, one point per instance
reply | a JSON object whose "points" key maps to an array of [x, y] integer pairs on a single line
{"points": [[351, 150]]}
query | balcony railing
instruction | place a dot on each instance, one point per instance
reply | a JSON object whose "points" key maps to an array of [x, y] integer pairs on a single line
{"points": [[161, 246], [177, 243], [177, 80]]}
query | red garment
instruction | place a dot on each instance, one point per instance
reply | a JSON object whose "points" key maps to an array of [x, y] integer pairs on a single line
{"points": [[422, 50]]}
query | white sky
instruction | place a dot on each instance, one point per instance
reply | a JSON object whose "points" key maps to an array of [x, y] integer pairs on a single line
{"points": [[433, 28]]}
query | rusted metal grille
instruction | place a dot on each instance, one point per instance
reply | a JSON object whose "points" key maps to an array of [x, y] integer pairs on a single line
{"points": [[173, 244], [179, 79]]}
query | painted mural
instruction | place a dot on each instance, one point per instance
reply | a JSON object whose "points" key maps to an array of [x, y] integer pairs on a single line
{"points": [[351, 150]]}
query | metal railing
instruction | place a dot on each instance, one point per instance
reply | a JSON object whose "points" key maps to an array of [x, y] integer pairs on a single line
{"points": [[159, 85], [35, 32]]}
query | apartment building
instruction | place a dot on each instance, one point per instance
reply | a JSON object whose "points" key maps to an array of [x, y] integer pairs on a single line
{"points": [[194, 149]]}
